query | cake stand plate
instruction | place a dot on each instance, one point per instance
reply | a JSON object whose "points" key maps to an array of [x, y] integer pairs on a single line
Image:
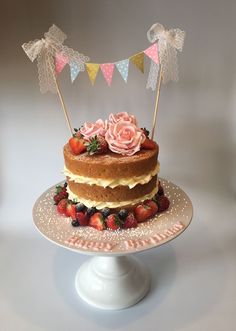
{"points": [[113, 278]]}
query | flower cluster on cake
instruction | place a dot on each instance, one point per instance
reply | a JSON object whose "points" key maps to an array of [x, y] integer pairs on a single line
{"points": [[112, 170]]}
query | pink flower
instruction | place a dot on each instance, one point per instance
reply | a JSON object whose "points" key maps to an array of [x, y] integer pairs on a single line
{"points": [[91, 129], [124, 137], [114, 118]]}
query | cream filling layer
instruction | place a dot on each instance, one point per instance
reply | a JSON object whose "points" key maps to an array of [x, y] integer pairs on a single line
{"points": [[131, 182], [102, 204]]}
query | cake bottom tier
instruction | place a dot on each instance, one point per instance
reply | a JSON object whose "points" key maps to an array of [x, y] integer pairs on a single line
{"points": [[120, 196]]}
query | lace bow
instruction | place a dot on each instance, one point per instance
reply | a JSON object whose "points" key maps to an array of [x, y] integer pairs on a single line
{"points": [[169, 41], [45, 50]]}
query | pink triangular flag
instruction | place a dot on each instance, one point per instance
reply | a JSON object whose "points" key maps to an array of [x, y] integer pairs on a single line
{"points": [[107, 69], [60, 62], [152, 52]]}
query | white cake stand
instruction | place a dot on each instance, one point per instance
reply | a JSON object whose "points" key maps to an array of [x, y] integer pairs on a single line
{"points": [[113, 278]]}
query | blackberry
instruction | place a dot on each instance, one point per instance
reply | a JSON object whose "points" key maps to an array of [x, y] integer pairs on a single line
{"points": [[65, 184], [106, 212], [75, 223], [80, 207], [123, 213], [91, 211]]}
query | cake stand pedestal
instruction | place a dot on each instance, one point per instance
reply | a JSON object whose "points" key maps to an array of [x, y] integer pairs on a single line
{"points": [[113, 278], [112, 282]]}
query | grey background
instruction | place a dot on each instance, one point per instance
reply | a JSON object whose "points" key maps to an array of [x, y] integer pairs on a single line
{"points": [[193, 284]]}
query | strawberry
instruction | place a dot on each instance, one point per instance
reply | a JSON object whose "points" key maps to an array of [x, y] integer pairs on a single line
{"points": [[163, 203], [97, 221], [82, 218], [61, 193], [77, 145], [149, 144], [153, 206], [97, 145], [70, 210], [142, 212], [113, 222], [61, 207], [130, 222]]}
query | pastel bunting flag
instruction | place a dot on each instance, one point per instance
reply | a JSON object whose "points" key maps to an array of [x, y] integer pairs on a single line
{"points": [[107, 69], [152, 52], [123, 68], [138, 60], [92, 69], [74, 71], [60, 62]]}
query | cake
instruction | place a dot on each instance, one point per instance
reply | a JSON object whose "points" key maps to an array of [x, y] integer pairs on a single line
{"points": [[111, 170]]}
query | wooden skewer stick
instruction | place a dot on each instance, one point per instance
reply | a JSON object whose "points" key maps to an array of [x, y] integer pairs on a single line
{"points": [[64, 107], [156, 104]]}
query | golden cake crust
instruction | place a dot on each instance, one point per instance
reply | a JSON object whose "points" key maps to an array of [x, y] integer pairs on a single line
{"points": [[111, 165]]}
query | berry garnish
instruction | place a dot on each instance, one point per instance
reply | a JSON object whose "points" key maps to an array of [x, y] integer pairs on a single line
{"points": [[80, 206], [123, 213], [61, 207], [97, 145], [65, 184], [149, 144], [91, 211], [163, 203], [153, 205], [61, 193], [75, 223], [130, 222], [82, 218], [70, 210], [142, 212], [97, 221], [77, 145], [106, 212], [146, 132], [113, 222]]}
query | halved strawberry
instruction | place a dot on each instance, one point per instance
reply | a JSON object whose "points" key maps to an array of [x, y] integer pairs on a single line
{"points": [[130, 222], [77, 145], [113, 222], [82, 218], [163, 203], [61, 207], [142, 212], [153, 206], [97, 221], [149, 144], [70, 210]]}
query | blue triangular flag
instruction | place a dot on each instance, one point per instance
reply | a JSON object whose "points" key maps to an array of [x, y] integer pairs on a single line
{"points": [[123, 68], [74, 71]]}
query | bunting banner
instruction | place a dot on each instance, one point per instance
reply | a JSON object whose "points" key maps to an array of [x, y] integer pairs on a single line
{"points": [[60, 62], [107, 70], [152, 52], [138, 60], [74, 71], [92, 70], [123, 68]]}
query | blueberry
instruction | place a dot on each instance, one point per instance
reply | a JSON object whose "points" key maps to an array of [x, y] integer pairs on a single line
{"points": [[65, 184], [75, 223], [91, 211], [106, 212], [80, 207], [123, 213]]}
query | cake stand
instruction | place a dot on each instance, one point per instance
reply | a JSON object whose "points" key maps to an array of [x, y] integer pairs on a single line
{"points": [[113, 278]]}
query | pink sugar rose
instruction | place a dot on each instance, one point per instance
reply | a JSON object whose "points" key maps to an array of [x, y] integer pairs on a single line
{"points": [[124, 137], [114, 118], [92, 129]]}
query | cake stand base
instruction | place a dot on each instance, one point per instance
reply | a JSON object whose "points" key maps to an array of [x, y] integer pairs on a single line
{"points": [[113, 282]]}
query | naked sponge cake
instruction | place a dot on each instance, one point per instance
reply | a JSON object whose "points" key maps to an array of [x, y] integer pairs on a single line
{"points": [[112, 171]]}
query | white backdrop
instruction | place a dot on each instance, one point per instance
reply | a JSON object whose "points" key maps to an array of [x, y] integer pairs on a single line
{"points": [[194, 278]]}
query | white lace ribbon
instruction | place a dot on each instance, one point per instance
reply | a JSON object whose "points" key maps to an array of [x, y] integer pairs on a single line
{"points": [[44, 50], [169, 41]]}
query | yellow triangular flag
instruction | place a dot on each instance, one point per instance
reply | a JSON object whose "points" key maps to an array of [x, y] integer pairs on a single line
{"points": [[92, 69], [138, 60]]}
